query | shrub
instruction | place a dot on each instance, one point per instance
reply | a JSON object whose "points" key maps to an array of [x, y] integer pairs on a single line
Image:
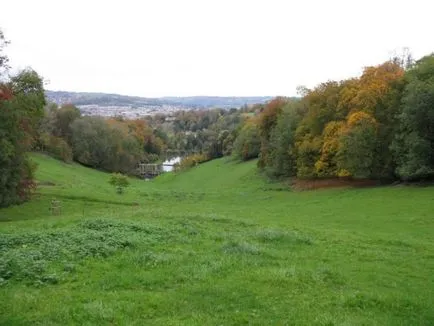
{"points": [[57, 147], [119, 181], [192, 160]]}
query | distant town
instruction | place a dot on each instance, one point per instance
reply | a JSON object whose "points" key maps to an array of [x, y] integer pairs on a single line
{"points": [[110, 105], [129, 111]]}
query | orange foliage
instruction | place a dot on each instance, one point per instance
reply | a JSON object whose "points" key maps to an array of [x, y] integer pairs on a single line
{"points": [[375, 83], [5, 93], [137, 128], [268, 116]]}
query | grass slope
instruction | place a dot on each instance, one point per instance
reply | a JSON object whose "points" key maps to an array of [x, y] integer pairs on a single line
{"points": [[216, 245]]}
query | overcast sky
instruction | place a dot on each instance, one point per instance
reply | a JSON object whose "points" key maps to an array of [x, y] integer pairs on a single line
{"points": [[201, 47]]}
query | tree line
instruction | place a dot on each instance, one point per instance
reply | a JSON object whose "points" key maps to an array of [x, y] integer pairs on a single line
{"points": [[378, 126], [114, 145], [118, 145], [209, 132]]}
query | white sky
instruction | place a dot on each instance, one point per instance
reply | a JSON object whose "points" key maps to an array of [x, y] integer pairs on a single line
{"points": [[204, 47]]}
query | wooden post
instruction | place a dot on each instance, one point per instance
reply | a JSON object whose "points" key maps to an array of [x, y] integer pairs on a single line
{"points": [[56, 207]]}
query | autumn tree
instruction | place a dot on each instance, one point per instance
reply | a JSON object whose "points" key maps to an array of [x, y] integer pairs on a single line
{"points": [[343, 127], [328, 162], [266, 122], [21, 106]]}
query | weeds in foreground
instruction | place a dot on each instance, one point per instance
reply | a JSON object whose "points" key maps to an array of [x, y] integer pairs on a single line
{"points": [[46, 256]]}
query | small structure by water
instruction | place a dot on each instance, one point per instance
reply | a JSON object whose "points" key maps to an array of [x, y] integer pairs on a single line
{"points": [[149, 171]]}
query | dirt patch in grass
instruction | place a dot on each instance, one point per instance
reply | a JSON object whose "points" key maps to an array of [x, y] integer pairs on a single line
{"points": [[45, 183], [312, 184]]}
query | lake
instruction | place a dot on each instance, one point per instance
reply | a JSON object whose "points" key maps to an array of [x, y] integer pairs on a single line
{"points": [[168, 164]]}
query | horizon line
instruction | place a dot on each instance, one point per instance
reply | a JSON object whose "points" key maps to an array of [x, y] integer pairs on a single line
{"points": [[167, 96]]}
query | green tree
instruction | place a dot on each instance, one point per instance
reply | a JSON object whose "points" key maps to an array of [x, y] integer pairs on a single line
{"points": [[63, 118], [3, 57], [248, 143], [357, 149], [282, 158], [102, 145], [21, 106], [413, 145]]}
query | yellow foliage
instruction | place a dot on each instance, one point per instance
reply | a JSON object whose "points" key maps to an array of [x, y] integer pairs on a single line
{"points": [[191, 160], [321, 168], [344, 173], [375, 83], [347, 95], [137, 128], [326, 165], [360, 118], [332, 129]]}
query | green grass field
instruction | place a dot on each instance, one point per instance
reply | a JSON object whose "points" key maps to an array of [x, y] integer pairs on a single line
{"points": [[217, 245]]}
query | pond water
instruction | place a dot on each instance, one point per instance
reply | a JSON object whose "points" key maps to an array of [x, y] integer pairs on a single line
{"points": [[168, 164]]}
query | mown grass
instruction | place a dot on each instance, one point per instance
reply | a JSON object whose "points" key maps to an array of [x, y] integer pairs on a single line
{"points": [[216, 245]]}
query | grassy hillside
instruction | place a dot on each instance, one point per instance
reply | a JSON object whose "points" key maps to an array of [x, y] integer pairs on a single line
{"points": [[216, 245]]}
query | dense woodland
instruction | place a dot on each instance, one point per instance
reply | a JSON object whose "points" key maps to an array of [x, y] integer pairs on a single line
{"points": [[117, 144], [376, 126], [379, 125]]}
